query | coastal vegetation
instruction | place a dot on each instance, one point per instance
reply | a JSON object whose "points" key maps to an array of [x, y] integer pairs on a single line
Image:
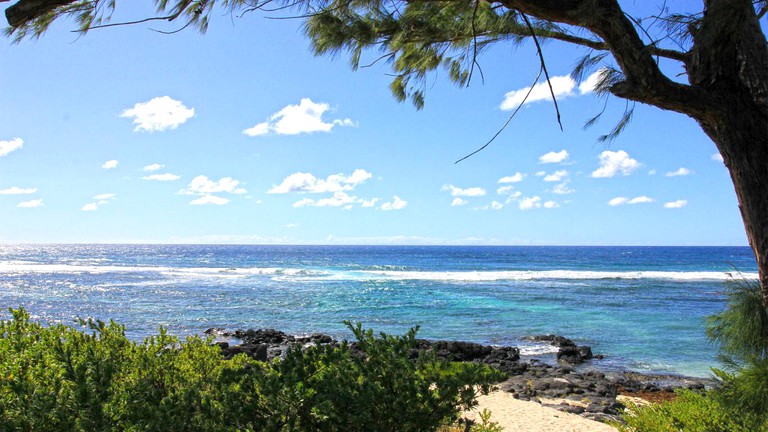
{"points": [[94, 378]]}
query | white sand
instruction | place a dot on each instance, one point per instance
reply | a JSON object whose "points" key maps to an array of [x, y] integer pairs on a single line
{"points": [[516, 415]]}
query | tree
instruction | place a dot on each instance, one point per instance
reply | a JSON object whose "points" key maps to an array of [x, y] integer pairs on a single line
{"points": [[721, 48]]}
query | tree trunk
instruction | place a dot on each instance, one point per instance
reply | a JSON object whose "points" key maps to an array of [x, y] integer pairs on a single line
{"points": [[741, 135], [730, 62]]}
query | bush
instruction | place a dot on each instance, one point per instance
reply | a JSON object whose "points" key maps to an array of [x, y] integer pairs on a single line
{"points": [[67, 379], [690, 412]]}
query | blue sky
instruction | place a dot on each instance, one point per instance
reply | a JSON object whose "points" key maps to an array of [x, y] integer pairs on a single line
{"points": [[241, 135]]}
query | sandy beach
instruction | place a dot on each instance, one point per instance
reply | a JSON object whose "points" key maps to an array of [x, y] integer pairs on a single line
{"points": [[516, 415]]}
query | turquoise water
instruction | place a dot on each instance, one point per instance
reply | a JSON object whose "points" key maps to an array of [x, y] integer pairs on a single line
{"points": [[642, 307]]}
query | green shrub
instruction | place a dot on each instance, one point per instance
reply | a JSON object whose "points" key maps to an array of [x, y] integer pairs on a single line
{"points": [[66, 379], [690, 412]]}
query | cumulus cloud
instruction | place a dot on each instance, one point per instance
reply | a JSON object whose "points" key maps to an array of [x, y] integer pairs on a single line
{"points": [[338, 199], [680, 172], [717, 157], [554, 157], [562, 87], [505, 190], [516, 178], [496, 205], [612, 163], [153, 167], [624, 200], [551, 204], [209, 200], [562, 189], [206, 188], [202, 185], [161, 177], [556, 176], [368, 203], [457, 191], [395, 204], [158, 114], [101, 199], [458, 202], [308, 183], [8, 146], [306, 117], [31, 204], [676, 204], [15, 190], [110, 164], [529, 203]]}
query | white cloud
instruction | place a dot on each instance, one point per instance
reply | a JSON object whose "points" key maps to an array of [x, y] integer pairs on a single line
{"points": [[588, 85], [457, 191], [9, 146], [308, 183], [562, 189], [516, 178], [15, 190], [496, 205], [541, 174], [110, 164], [458, 202], [338, 199], [618, 201], [395, 204], [158, 114], [641, 200], [612, 163], [368, 203], [306, 117], [505, 190], [31, 204], [624, 200], [513, 197], [161, 177], [562, 86], [529, 203], [101, 199], [652, 172], [676, 204], [680, 172], [201, 185], [551, 204], [209, 200], [153, 167], [717, 157], [554, 157], [556, 176]]}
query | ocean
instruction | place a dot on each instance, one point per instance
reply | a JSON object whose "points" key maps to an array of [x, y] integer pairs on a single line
{"points": [[643, 308]]}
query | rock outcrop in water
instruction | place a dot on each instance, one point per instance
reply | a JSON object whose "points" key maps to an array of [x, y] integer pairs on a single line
{"points": [[590, 393]]}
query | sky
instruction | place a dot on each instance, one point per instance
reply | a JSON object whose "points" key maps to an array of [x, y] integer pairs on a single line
{"points": [[242, 135]]}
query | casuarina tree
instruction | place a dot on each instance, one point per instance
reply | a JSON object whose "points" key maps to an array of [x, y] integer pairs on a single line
{"points": [[719, 49]]}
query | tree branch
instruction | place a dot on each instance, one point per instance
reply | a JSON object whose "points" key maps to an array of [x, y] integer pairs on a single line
{"points": [[644, 82], [24, 11]]}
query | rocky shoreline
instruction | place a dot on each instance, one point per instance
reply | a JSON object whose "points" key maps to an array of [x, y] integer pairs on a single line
{"points": [[560, 383]]}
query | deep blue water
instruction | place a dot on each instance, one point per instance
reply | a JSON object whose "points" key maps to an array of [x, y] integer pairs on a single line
{"points": [[642, 307]]}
